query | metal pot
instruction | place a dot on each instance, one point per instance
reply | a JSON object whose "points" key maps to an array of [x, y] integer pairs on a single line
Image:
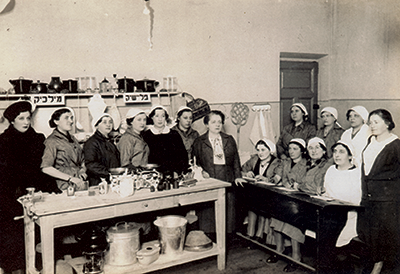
{"points": [[124, 243], [70, 85], [21, 85], [146, 85], [39, 87], [126, 84]]}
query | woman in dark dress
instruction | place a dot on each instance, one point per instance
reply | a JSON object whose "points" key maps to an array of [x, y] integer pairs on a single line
{"points": [[300, 127], [166, 146], [184, 119], [331, 131], [379, 223], [217, 154], [100, 152], [21, 150]]}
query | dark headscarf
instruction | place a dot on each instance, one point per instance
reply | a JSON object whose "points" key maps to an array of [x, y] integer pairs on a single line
{"points": [[16, 108]]}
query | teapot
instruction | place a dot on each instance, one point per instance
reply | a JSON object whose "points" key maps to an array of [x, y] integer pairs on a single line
{"points": [[39, 87]]}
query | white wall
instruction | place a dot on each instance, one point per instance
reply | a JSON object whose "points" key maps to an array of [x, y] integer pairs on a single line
{"points": [[223, 51]]}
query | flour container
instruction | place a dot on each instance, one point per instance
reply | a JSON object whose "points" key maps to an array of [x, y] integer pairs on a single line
{"points": [[124, 244], [172, 231]]}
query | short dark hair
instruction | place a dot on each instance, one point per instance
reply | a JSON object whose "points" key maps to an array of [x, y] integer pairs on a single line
{"points": [[385, 115], [180, 113], [56, 116], [151, 115], [345, 146], [214, 112]]}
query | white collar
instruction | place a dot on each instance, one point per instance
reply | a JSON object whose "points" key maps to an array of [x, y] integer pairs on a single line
{"points": [[156, 131]]}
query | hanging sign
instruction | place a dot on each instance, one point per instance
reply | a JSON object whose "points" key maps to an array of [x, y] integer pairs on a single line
{"points": [[137, 98], [48, 99]]}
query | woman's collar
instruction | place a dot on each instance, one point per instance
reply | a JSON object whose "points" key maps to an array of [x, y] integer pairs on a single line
{"points": [[155, 131]]}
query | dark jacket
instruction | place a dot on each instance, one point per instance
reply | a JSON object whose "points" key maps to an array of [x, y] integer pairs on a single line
{"points": [[253, 164], [20, 158], [100, 155], [313, 180], [383, 181], [305, 131], [187, 138], [331, 138], [167, 150], [203, 151]]}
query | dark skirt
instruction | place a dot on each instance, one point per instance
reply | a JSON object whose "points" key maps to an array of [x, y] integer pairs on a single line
{"points": [[379, 227]]}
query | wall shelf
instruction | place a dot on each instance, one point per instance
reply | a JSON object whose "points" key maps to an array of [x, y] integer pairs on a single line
{"points": [[15, 97]]}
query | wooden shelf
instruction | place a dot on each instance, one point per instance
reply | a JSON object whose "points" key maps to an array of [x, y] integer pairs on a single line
{"points": [[80, 95], [162, 262]]}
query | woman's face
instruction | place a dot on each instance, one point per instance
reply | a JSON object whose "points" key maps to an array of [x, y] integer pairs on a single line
{"points": [[159, 118], [105, 126], [315, 151], [263, 151], [377, 125], [22, 122], [296, 114], [65, 122], [327, 118], [294, 151], [215, 124], [185, 120], [341, 156], [139, 122], [355, 119]]}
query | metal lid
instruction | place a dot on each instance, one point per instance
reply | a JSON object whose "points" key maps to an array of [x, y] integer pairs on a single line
{"points": [[123, 230]]}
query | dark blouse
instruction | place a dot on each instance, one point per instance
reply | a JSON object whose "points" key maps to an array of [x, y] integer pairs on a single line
{"points": [[304, 131], [167, 150]]}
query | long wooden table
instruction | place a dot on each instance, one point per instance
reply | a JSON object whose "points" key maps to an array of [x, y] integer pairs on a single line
{"points": [[53, 211], [325, 217]]}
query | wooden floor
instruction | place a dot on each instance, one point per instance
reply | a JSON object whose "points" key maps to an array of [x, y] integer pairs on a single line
{"points": [[242, 257]]}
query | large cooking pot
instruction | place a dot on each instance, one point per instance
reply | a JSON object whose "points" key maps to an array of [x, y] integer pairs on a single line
{"points": [[146, 85], [126, 84], [21, 85], [39, 87], [124, 243], [70, 85]]}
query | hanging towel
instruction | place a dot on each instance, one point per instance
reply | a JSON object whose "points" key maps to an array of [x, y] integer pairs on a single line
{"points": [[262, 127]]}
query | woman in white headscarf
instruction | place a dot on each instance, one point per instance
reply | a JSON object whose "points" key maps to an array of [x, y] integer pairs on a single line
{"points": [[331, 131], [343, 182], [134, 151], [100, 152], [300, 127], [261, 166], [358, 133]]}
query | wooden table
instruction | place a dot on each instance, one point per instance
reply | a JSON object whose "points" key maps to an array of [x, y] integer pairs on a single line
{"points": [[326, 218], [53, 211]]}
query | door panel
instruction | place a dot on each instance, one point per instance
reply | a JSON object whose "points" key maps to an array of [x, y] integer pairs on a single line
{"points": [[298, 84]]}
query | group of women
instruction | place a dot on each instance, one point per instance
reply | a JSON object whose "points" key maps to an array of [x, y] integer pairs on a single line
{"points": [[360, 165]]}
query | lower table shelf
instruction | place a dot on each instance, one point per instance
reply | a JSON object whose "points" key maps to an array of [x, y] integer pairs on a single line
{"points": [[162, 262]]}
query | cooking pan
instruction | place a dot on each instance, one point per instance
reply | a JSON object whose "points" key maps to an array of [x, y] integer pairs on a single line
{"points": [[21, 85]]}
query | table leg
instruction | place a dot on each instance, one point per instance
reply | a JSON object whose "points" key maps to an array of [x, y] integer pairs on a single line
{"points": [[47, 240], [30, 251], [220, 223]]}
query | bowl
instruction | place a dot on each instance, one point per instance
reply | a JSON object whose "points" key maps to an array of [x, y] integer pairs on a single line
{"points": [[117, 170]]}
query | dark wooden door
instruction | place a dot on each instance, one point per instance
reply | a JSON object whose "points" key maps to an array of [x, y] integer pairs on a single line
{"points": [[298, 84]]}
